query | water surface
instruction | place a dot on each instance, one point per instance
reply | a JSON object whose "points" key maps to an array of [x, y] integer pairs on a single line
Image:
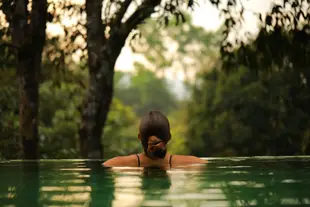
{"points": [[281, 181]]}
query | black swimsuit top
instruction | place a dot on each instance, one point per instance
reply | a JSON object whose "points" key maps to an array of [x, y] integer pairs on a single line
{"points": [[139, 160]]}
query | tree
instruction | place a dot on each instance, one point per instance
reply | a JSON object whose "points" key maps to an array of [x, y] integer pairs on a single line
{"points": [[256, 104], [105, 39], [26, 32], [9, 115], [282, 49]]}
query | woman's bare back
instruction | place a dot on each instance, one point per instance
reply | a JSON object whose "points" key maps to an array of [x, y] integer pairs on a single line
{"points": [[141, 160]]}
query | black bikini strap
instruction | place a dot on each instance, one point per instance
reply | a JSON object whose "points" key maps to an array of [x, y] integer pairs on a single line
{"points": [[138, 160], [170, 160]]}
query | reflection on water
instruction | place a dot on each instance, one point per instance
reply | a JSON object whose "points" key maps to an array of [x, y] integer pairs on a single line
{"points": [[243, 182], [127, 188]]}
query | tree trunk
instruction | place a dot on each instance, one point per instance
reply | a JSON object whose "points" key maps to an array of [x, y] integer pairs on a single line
{"points": [[95, 110], [28, 75], [102, 54], [30, 40], [101, 62]]}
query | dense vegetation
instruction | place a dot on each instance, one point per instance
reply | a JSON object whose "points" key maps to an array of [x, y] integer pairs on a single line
{"points": [[248, 97], [256, 101]]}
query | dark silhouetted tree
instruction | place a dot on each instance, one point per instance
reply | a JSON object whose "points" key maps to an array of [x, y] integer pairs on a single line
{"points": [[26, 36]]}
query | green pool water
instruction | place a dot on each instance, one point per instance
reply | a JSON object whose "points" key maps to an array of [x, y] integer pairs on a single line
{"points": [[265, 181]]}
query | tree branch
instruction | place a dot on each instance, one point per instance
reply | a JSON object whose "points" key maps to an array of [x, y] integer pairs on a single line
{"points": [[142, 12], [121, 12]]}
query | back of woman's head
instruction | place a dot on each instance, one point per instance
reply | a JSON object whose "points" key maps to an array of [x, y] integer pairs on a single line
{"points": [[154, 134]]}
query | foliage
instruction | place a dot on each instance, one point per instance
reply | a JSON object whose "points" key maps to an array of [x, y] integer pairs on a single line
{"points": [[246, 115], [145, 91], [8, 115], [178, 123], [256, 103], [179, 48], [59, 119], [121, 131], [288, 16]]}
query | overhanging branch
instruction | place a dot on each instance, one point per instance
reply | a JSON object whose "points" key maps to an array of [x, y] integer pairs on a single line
{"points": [[142, 12]]}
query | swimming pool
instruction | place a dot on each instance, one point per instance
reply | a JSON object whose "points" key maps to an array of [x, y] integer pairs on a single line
{"points": [[264, 181]]}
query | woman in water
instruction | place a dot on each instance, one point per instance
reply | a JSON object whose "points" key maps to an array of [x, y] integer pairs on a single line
{"points": [[154, 134]]}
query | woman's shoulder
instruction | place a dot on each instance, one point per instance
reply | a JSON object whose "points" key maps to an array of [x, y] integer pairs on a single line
{"points": [[187, 159], [121, 161]]}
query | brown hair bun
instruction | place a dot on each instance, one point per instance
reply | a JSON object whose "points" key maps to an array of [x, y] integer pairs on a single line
{"points": [[156, 147]]}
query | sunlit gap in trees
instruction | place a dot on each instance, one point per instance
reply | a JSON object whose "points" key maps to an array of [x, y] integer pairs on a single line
{"points": [[204, 15]]}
